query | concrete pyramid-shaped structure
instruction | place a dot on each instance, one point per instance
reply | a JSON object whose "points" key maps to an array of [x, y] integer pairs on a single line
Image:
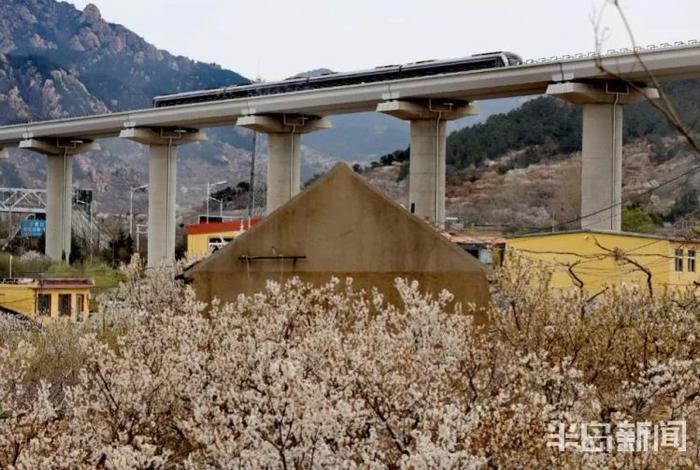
{"points": [[340, 226]]}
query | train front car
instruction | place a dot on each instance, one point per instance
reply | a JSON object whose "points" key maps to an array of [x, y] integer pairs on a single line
{"points": [[512, 59]]}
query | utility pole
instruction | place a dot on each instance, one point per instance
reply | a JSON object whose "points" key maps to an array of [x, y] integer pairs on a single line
{"points": [[132, 190], [251, 186], [92, 236], [209, 188], [208, 197]]}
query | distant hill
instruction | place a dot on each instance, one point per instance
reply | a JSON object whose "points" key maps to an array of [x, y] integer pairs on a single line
{"points": [[313, 73], [366, 136]]}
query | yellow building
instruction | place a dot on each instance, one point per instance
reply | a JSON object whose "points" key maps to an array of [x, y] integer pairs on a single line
{"points": [[41, 299], [594, 259], [206, 237]]}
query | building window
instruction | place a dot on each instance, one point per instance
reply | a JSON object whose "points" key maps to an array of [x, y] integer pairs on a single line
{"points": [[485, 255], [64, 309], [79, 306], [217, 242], [691, 261], [43, 306], [679, 260]]}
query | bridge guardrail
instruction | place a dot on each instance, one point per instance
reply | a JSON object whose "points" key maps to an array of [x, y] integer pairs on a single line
{"points": [[613, 52]]}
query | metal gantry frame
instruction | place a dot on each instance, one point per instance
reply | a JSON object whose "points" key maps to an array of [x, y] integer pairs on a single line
{"points": [[23, 201]]}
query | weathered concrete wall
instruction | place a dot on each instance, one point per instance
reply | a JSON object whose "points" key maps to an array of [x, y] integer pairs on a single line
{"points": [[344, 228], [227, 286]]}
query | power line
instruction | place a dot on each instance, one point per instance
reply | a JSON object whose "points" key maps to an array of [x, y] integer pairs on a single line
{"points": [[688, 172]]}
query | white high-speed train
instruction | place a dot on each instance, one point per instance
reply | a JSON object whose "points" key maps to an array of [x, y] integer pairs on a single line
{"points": [[331, 79]]}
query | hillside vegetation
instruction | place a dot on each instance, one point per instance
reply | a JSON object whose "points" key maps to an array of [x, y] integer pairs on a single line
{"points": [[556, 125], [546, 126]]}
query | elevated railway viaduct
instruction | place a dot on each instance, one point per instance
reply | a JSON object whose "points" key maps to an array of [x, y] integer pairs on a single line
{"points": [[601, 84]]}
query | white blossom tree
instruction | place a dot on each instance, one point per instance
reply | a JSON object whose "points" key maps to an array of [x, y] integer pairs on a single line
{"points": [[302, 376]]}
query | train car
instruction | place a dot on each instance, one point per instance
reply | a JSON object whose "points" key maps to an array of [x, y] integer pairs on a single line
{"points": [[424, 68]]}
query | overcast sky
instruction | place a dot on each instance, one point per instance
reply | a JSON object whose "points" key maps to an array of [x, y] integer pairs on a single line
{"points": [[274, 39]]}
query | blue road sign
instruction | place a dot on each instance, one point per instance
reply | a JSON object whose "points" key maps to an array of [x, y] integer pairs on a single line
{"points": [[33, 227]]}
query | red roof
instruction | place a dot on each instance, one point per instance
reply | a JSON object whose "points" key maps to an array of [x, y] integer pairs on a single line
{"points": [[58, 283], [218, 227]]}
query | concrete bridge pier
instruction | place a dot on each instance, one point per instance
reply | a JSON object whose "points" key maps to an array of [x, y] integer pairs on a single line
{"points": [[59, 189], [284, 151], [601, 161], [162, 186], [427, 166]]}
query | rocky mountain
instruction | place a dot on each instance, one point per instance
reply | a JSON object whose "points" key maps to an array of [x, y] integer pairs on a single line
{"points": [[57, 61]]}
